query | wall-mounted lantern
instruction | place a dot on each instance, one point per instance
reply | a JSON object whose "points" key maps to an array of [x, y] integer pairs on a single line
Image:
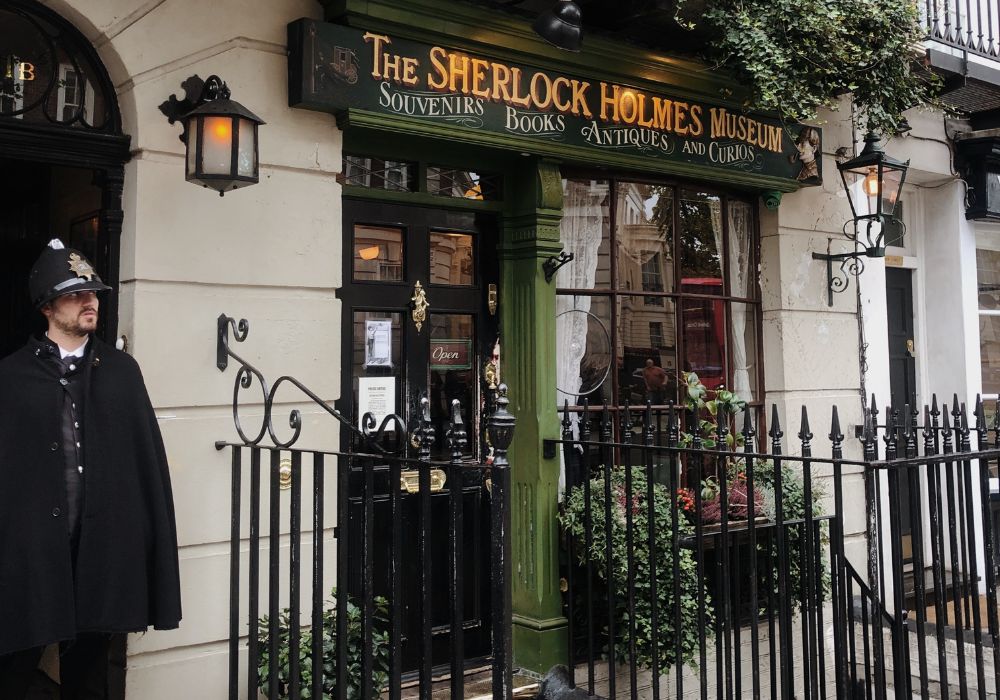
{"points": [[561, 26], [873, 207], [220, 135]]}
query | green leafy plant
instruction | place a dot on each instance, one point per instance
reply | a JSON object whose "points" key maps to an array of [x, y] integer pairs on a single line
{"points": [[380, 651], [611, 567], [798, 56]]}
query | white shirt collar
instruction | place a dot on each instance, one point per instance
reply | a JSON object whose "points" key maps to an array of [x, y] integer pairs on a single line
{"points": [[63, 353]]}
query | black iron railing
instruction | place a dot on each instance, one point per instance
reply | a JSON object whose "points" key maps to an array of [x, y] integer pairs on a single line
{"points": [[970, 25], [359, 644], [724, 571]]}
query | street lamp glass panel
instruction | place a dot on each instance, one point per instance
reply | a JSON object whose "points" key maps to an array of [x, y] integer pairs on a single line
{"points": [[246, 155], [217, 150], [892, 182], [192, 149]]}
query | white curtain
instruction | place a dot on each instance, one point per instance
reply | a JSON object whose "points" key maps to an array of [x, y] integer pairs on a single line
{"points": [[740, 275], [580, 232]]}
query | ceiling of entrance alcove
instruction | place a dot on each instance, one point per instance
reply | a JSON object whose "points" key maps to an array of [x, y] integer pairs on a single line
{"points": [[648, 23]]}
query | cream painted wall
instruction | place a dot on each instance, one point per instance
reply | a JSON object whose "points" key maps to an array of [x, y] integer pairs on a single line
{"points": [[271, 253]]}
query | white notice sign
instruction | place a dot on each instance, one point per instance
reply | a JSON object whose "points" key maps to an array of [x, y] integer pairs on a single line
{"points": [[378, 343], [376, 395]]}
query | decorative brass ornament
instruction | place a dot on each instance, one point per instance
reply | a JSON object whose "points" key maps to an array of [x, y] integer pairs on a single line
{"points": [[491, 299], [80, 267], [409, 480], [490, 375], [420, 305], [285, 474]]}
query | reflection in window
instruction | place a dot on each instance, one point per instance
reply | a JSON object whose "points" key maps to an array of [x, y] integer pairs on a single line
{"points": [[701, 241], [75, 94], [378, 253], [451, 258], [464, 184]]}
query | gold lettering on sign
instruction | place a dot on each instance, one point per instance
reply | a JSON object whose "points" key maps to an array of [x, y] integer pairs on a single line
{"points": [[26, 71], [726, 125], [893, 260]]}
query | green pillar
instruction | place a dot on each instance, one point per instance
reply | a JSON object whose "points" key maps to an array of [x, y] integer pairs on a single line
{"points": [[528, 357]]}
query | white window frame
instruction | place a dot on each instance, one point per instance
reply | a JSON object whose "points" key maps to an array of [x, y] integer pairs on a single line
{"points": [[18, 96], [87, 91]]}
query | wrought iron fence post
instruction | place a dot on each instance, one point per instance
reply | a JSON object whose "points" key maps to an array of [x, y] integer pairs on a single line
{"points": [[501, 432]]}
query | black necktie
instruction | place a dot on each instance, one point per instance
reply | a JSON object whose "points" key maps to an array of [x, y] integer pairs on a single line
{"points": [[70, 362]]}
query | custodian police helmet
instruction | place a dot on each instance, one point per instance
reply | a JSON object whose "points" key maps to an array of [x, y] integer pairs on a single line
{"points": [[60, 270]]}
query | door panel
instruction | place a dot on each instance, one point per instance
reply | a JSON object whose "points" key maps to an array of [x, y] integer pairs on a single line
{"points": [[388, 249], [902, 373]]}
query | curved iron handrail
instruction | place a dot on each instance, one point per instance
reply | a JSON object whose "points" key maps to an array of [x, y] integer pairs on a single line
{"points": [[370, 436]]}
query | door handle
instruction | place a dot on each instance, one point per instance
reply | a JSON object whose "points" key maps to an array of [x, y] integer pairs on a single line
{"points": [[419, 304], [409, 480], [909, 346]]}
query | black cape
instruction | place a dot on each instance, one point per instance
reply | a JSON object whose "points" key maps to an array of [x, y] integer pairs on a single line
{"points": [[126, 577]]}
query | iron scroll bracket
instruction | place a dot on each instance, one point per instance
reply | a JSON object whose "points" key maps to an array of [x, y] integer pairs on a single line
{"points": [[370, 433], [554, 262], [851, 265]]}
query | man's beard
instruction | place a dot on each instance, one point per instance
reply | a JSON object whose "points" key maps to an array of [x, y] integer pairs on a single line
{"points": [[75, 327]]}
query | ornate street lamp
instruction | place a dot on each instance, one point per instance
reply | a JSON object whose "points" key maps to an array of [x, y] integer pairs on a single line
{"points": [[873, 209], [220, 135], [561, 26]]}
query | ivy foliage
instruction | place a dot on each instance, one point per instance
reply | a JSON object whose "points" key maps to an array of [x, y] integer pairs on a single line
{"points": [[800, 55]]}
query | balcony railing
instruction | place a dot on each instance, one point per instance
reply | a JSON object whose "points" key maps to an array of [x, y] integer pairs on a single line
{"points": [[970, 25]]}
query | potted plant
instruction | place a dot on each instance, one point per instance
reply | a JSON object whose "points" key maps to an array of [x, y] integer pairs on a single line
{"points": [[380, 651]]}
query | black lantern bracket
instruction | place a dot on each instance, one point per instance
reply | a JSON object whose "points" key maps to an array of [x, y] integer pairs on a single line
{"points": [[552, 264], [851, 265], [196, 93]]}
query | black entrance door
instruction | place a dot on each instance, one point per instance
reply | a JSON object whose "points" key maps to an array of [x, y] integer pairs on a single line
{"points": [[397, 257], [902, 372]]}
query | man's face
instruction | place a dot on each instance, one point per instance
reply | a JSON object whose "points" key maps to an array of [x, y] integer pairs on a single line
{"points": [[74, 314]]}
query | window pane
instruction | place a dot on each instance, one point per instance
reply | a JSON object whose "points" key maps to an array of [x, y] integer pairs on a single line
{"points": [[989, 349], [378, 253], [585, 232], [705, 340], [701, 243], [743, 335], [465, 184], [644, 229], [583, 349], [452, 376], [451, 258], [392, 175], [741, 268], [647, 348], [988, 264]]}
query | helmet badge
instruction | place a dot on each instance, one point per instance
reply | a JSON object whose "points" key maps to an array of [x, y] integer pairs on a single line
{"points": [[80, 267]]}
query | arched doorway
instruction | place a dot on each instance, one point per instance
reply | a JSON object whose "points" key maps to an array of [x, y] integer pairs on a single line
{"points": [[62, 155]]}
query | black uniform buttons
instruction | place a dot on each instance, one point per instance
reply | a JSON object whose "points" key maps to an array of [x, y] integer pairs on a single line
{"points": [[54, 446], [56, 512]]}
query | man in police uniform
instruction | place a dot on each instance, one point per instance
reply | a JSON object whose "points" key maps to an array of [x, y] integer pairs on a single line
{"points": [[88, 544]]}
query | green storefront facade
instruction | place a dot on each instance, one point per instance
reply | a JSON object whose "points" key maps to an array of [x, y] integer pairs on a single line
{"points": [[437, 86]]}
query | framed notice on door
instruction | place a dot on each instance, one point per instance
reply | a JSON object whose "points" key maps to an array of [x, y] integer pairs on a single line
{"points": [[378, 343], [376, 395]]}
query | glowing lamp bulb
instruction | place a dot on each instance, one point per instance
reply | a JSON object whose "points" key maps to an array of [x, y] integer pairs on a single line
{"points": [[369, 253], [871, 182], [219, 129]]}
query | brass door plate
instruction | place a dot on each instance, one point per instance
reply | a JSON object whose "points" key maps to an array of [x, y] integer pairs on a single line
{"points": [[409, 480]]}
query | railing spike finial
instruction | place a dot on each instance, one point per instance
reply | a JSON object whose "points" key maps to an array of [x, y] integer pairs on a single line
{"points": [[585, 421], [721, 425], [836, 435], [775, 431], [626, 423], [456, 436], [955, 411], [891, 415], [423, 435], [605, 422], [649, 429], [980, 417], [567, 424], [928, 430], [673, 429], [935, 411], [805, 435], [748, 430], [501, 425]]}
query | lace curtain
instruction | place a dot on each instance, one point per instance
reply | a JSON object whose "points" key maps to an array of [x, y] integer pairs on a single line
{"points": [[740, 275]]}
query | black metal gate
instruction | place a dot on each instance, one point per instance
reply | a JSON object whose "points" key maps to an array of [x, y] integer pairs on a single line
{"points": [[350, 646], [700, 566]]}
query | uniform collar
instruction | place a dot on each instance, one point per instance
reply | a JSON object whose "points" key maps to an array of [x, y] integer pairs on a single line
{"points": [[42, 346]]}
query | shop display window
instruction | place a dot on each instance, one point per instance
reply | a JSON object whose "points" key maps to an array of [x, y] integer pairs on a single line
{"points": [[663, 282]]}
